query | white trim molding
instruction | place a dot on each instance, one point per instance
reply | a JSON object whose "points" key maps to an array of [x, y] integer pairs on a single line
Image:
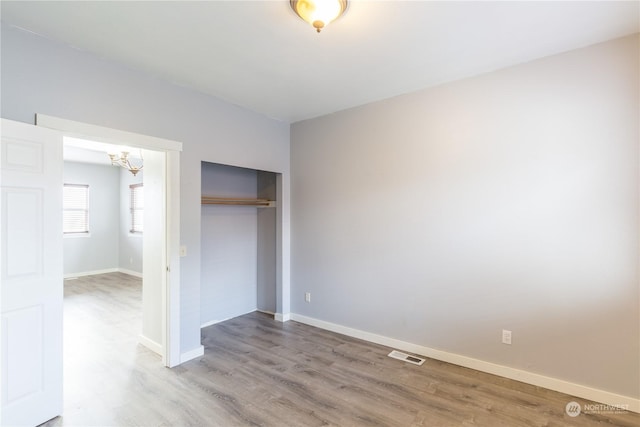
{"points": [[192, 354], [104, 271], [213, 322], [283, 317], [550, 383], [91, 273], [150, 344], [270, 313], [106, 135], [130, 272]]}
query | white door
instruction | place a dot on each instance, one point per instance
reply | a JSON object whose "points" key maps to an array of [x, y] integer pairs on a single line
{"points": [[31, 273]]}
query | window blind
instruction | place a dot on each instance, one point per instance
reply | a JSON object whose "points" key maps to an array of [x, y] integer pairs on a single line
{"points": [[75, 205], [137, 208]]}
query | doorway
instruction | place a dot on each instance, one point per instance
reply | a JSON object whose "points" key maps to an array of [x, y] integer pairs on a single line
{"points": [[103, 205], [103, 229], [161, 264], [32, 261]]}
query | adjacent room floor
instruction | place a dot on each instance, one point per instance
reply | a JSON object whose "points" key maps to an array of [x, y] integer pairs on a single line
{"points": [[256, 371]]}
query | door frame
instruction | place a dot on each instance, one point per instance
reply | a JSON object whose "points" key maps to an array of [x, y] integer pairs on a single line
{"points": [[171, 292]]}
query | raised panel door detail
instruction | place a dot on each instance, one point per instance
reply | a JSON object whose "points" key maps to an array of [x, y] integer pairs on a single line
{"points": [[22, 156], [23, 333], [22, 230]]}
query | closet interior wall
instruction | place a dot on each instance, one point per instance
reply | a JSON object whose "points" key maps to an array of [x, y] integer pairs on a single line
{"points": [[266, 277], [238, 244]]}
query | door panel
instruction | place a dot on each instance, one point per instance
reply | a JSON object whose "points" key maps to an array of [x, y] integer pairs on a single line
{"points": [[23, 334], [21, 155], [31, 273], [22, 244]]}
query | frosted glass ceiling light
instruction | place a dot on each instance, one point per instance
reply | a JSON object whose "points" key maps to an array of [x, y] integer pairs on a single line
{"points": [[319, 13]]}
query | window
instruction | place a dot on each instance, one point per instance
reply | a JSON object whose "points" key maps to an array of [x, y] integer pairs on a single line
{"points": [[137, 208], [75, 209]]}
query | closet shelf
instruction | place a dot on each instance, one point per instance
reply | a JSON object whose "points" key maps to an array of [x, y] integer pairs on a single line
{"points": [[234, 201]]}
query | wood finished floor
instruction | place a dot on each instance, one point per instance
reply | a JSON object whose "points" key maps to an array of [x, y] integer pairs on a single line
{"points": [[259, 372]]}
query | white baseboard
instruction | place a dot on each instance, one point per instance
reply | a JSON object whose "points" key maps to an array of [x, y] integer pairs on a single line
{"points": [[562, 386], [103, 271], [130, 272], [150, 344], [270, 313], [280, 317], [90, 273], [213, 322], [192, 354]]}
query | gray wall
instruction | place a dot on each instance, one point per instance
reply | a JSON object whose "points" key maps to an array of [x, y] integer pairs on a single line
{"points": [[42, 76], [130, 245], [507, 200], [98, 250]]}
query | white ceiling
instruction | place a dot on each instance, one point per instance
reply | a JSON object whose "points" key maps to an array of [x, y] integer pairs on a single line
{"points": [[260, 55]]}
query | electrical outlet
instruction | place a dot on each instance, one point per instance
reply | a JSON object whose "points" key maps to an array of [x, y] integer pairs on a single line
{"points": [[506, 337], [183, 250], [307, 296]]}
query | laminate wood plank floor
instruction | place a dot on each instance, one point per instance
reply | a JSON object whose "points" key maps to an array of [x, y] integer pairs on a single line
{"points": [[259, 372]]}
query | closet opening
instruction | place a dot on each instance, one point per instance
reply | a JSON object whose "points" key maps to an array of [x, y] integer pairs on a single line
{"points": [[239, 215]]}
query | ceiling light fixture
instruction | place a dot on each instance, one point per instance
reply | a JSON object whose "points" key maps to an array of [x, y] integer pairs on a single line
{"points": [[122, 159], [319, 13]]}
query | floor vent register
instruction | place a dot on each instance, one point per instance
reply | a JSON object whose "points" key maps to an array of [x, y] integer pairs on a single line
{"points": [[406, 357]]}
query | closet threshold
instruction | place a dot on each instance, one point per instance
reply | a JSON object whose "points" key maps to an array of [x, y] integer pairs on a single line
{"points": [[234, 201]]}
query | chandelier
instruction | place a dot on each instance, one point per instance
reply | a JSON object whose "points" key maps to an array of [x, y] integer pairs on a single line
{"points": [[124, 160]]}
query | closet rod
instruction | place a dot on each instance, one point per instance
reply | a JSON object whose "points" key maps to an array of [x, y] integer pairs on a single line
{"points": [[237, 202]]}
